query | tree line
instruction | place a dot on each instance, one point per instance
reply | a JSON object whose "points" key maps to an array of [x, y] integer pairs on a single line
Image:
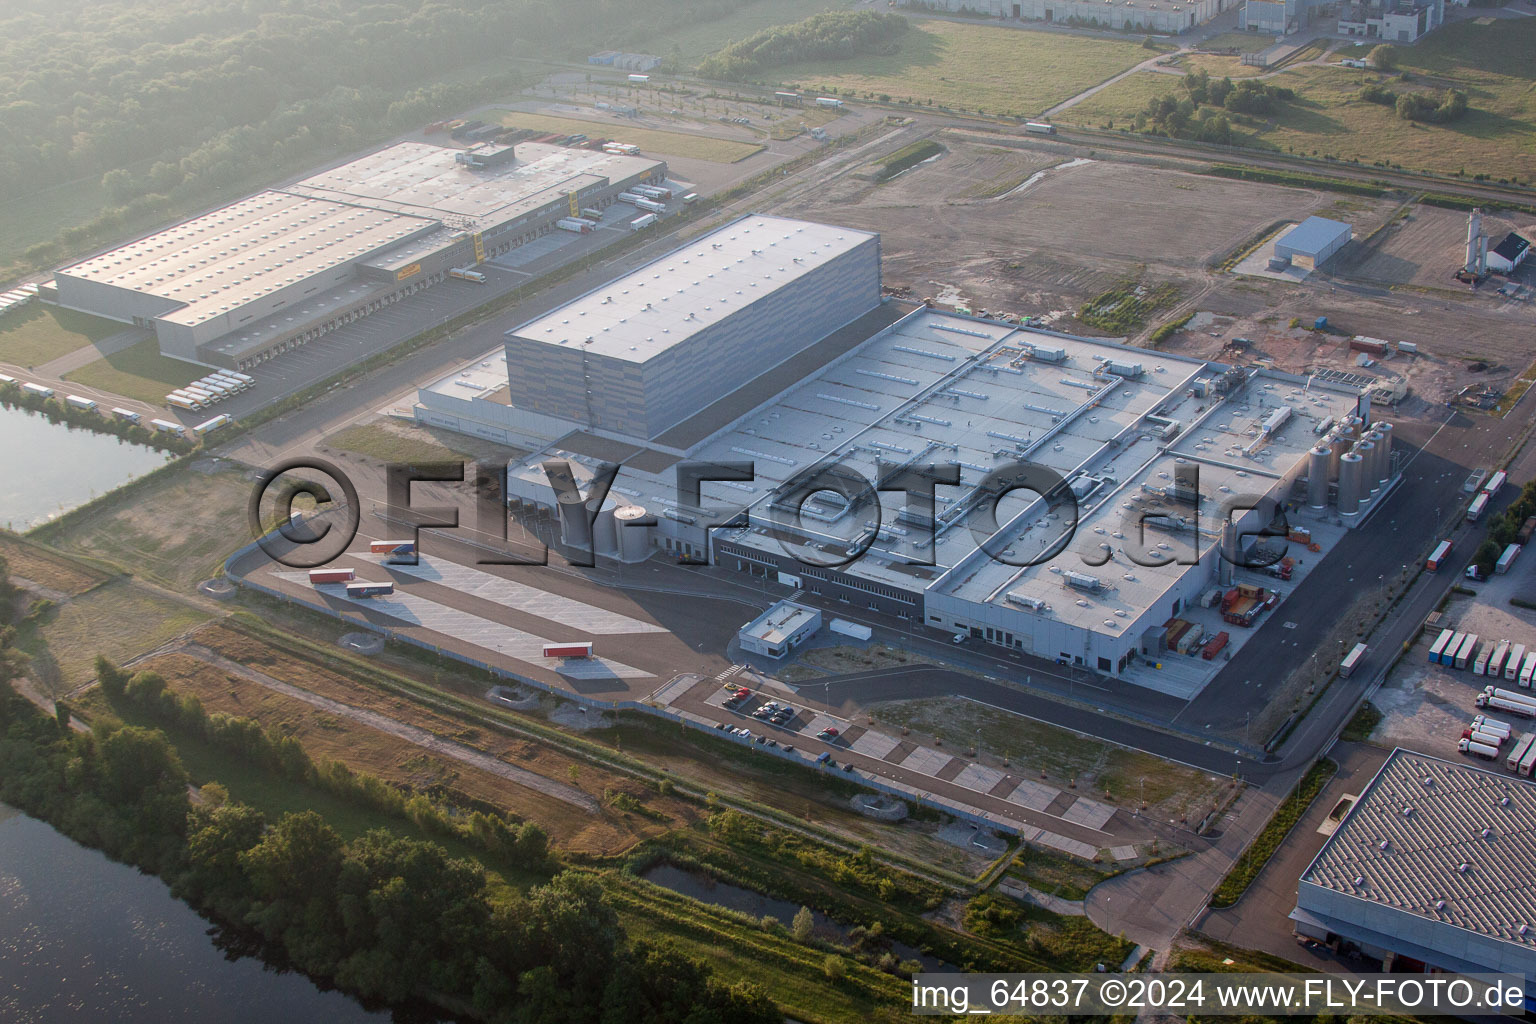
{"points": [[1191, 118], [173, 102], [1504, 527], [831, 36], [1440, 106], [384, 916]]}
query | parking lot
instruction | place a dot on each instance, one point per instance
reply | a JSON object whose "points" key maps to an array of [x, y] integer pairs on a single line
{"points": [[783, 724]]}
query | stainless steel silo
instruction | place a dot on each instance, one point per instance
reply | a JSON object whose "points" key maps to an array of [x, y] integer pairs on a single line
{"points": [[605, 540], [1351, 473], [1317, 476], [634, 534], [1369, 485], [575, 529], [1385, 446]]}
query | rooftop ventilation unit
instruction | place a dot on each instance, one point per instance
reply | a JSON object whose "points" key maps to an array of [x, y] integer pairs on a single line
{"points": [[1082, 581]]}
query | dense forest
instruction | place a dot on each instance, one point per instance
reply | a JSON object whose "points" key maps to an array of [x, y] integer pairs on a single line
{"points": [[175, 102], [820, 37], [385, 916]]}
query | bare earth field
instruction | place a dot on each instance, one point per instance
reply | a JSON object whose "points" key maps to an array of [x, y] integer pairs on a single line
{"points": [[1038, 246], [1426, 247]]}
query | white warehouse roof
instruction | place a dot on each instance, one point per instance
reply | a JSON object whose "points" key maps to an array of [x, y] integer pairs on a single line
{"points": [[1442, 841], [669, 300], [1315, 234]]}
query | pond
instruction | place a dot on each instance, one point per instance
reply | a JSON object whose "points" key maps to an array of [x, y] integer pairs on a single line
{"points": [[47, 469], [88, 939]]}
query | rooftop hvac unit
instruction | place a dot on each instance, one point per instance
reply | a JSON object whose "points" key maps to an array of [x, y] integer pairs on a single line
{"points": [[1120, 369], [1082, 581], [1032, 603]]}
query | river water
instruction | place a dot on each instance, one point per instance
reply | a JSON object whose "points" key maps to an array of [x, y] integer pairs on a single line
{"points": [[84, 938], [49, 468]]}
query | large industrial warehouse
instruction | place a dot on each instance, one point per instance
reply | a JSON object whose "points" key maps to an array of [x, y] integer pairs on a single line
{"points": [[788, 360], [250, 280], [1173, 16], [1430, 871]]}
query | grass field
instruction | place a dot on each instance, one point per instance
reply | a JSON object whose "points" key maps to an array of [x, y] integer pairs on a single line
{"points": [[691, 45], [386, 442], [1492, 63], [46, 569], [1117, 104], [176, 533], [966, 67], [1055, 874], [697, 147], [1064, 756], [1245, 42], [35, 334], [140, 372], [120, 620]]}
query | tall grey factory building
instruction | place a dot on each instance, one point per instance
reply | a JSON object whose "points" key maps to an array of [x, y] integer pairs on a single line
{"points": [[1430, 870], [260, 276], [767, 343]]}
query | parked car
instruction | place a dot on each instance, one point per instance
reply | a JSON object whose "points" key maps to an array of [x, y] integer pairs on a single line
{"points": [[824, 758], [958, 638]]}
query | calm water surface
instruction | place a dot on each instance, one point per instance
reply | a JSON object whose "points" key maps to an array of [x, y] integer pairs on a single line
{"points": [[49, 468], [84, 938]]}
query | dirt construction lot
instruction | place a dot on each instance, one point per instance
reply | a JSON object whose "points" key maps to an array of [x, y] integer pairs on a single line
{"points": [[1041, 230], [1426, 247]]}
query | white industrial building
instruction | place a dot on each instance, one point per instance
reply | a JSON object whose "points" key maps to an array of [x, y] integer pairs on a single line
{"points": [[1168, 16], [1313, 242], [1394, 21], [886, 385], [1430, 870], [779, 630], [270, 272], [1508, 254]]}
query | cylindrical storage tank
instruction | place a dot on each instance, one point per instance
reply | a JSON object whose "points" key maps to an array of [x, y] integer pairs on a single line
{"points": [[1338, 444], [1378, 467], [1351, 471], [575, 531], [1317, 476], [1368, 482], [1228, 553], [604, 540], [634, 539], [1385, 448]]}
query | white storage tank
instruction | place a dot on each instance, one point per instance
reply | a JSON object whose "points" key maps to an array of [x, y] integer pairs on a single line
{"points": [[1317, 476], [1351, 473], [575, 531], [1368, 482], [634, 533], [605, 540], [1384, 443]]}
